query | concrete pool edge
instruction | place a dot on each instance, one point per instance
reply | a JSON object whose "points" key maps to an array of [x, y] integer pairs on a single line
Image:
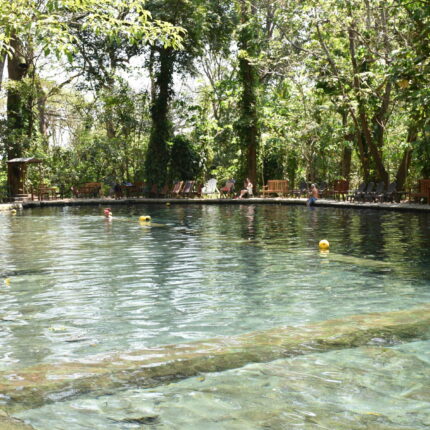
{"points": [[44, 383], [413, 207]]}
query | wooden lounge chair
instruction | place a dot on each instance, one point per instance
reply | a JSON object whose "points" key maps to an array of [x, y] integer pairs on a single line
{"points": [[164, 191], [302, 191], [275, 186], [391, 193], [198, 190], [187, 189], [358, 193], [153, 192], [210, 189], [322, 189], [177, 187], [378, 194], [368, 192], [228, 189], [422, 192]]}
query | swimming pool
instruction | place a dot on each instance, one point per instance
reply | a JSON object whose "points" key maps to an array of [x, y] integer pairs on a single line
{"points": [[81, 289]]}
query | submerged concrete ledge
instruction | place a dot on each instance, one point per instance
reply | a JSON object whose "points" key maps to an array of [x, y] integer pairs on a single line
{"points": [[256, 200], [9, 423], [39, 384]]}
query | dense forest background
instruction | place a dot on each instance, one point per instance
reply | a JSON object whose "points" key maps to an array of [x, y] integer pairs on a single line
{"points": [[123, 91]]}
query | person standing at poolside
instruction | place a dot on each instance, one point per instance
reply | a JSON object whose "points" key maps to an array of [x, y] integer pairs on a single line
{"points": [[313, 195]]}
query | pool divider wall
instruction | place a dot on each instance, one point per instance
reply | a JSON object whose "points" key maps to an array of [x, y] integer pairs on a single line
{"points": [[43, 383]]}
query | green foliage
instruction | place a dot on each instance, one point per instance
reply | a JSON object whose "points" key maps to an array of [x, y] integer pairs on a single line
{"points": [[276, 88], [48, 23], [184, 159]]}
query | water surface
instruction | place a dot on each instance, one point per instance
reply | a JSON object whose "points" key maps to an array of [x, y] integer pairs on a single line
{"points": [[80, 285], [74, 285]]}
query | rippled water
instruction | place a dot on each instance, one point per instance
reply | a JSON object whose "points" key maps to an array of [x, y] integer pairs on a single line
{"points": [[364, 388], [80, 285]]}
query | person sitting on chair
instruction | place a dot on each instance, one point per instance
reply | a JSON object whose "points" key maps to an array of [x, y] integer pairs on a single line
{"points": [[313, 195], [247, 191]]}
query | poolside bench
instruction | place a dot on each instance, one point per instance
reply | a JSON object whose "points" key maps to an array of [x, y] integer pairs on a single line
{"points": [[423, 191], [275, 186], [44, 192], [88, 190], [340, 190]]}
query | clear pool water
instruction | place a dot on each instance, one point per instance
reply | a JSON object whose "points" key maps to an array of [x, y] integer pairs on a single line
{"points": [[75, 285], [368, 388]]}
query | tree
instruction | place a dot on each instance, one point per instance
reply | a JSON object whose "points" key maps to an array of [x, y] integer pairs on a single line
{"points": [[248, 126], [202, 21], [47, 27]]}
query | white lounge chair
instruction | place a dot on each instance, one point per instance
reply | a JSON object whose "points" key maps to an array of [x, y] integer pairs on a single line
{"points": [[210, 189]]}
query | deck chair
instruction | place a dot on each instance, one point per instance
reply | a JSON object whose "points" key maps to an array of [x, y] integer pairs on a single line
{"points": [[176, 189], [301, 191], [210, 189], [228, 189], [391, 192], [357, 194], [153, 192], [368, 192], [322, 189], [164, 191], [378, 194], [188, 188]]}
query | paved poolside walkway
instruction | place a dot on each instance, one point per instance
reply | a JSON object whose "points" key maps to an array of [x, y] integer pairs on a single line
{"points": [[256, 200], [403, 206]]}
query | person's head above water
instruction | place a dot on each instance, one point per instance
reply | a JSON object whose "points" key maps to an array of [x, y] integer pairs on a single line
{"points": [[107, 212]]}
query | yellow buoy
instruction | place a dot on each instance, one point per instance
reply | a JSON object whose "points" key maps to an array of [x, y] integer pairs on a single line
{"points": [[145, 218], [324, 244], [167, 203], [7, 282], [13, 211]]}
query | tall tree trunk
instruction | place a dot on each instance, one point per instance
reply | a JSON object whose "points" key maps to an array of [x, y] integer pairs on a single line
{"points": [[347, 151], [16, 105], [248, 123], [346, 162], [2, 64], [16, 108], [382, 174], [41, 105], [157, 157], [402, 172]]}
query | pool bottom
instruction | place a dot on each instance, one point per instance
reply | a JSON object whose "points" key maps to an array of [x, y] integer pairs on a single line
{"points": [[370, 387], [40, 384]]}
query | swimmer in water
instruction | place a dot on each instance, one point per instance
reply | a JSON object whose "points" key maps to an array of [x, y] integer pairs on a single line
{"points": [[108, 213]]}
